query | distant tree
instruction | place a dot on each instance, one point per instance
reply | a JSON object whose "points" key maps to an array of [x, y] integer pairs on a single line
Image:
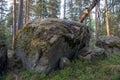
{"points": [[80, 7], [40, 9], [54, 8], [97, 19], [71, 9], [77, 5], [2, 11], [64, 16], [14, 29]]}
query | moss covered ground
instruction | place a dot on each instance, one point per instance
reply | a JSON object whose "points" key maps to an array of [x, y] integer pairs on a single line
{"points": [[107, 69]]}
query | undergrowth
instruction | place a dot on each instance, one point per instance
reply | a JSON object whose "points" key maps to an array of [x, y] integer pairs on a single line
{"points": [[107, 69]]}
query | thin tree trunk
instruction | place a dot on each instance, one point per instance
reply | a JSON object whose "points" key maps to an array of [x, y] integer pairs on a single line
{"points": [[14, 23], [80, 7], [20, 14], [97, 19], [27, 9], [1, 15], [64, 9], [71, 9], [52, 9], [107, 22]]}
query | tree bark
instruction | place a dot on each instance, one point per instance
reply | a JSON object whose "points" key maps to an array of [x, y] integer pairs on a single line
{"points": [[87, 11], [20, 14], [52, 8], [14, 23], [71, 9], [27, 9], [64, 9], [97, 19], [107, 22], [80, 7]]}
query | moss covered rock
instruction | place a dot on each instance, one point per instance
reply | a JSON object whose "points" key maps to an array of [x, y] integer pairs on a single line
{"points": [[43, 42], [92, 53], [111, 44]]}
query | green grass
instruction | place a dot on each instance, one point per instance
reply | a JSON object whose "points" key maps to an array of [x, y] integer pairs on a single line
{"points": [[107, 69]]}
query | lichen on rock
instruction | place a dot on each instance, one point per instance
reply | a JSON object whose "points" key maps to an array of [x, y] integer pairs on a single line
{"points": [[111, 44]]}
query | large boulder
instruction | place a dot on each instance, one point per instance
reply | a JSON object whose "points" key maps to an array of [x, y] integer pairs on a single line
{"points": [[3, 57], [41, 44], [111, 44]]}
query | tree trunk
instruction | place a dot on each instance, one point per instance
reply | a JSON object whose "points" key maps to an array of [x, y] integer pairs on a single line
{"points": [[20, 14], [14, 23], [97, 19], [87, 11], [107, 22], [80, 7], [27, 9], [52, 9], [71, 9], [64, 9]]}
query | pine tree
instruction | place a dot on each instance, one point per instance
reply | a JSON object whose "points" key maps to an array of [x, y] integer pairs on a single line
{"points": [[27, 10], [40, 9], [2, 11], [54, 8], [14, 29], [64, 16], [107, 22], [97, 19]]}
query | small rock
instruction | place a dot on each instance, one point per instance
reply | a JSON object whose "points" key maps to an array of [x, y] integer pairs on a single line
{"points": [[64, 62], [53, 39]]}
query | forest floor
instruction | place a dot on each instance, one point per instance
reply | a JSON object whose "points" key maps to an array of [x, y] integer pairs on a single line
{"points": [[107, 69]]}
